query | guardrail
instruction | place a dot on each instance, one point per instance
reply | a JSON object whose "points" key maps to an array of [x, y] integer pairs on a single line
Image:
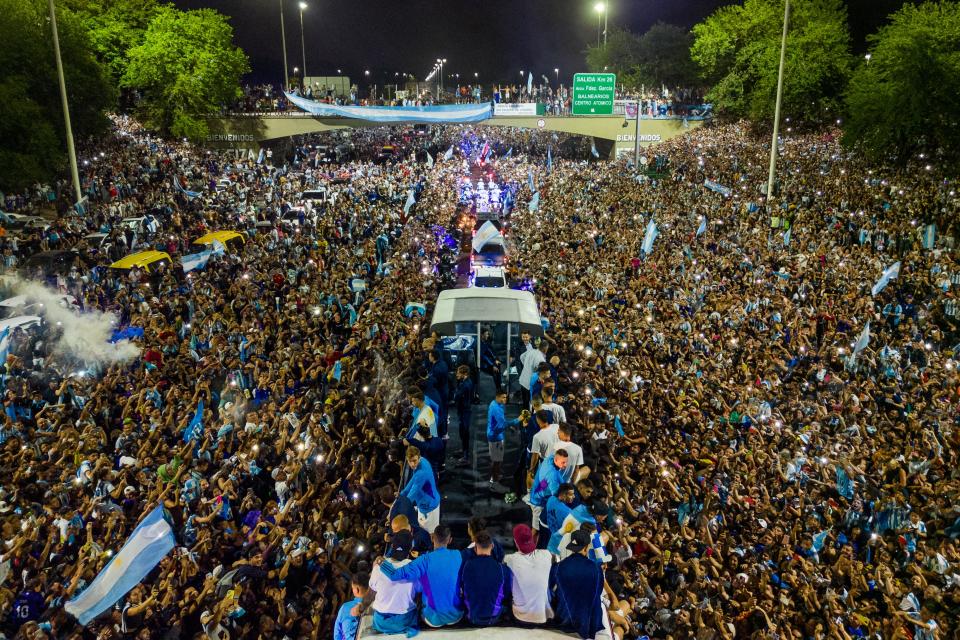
{"points": [[618, 110]]}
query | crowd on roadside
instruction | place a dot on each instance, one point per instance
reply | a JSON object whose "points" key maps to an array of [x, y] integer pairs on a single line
{"points": [[774, 472], [748, 474]]}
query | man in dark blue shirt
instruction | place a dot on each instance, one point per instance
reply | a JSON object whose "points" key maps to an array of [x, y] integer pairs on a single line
{"points": [[486, 583], [577, 584], [463, 399]]}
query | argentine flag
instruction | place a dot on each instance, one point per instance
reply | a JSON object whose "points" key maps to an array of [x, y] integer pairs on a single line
{"points": [[703, 226], [889, 274], [535, 202], [145, 548], [4, 345], [929, 236], [530, 183], [195, 428], [787, 236], [593, 149], [530, 82], [410, 202], [862, 341], [448, 155], [549, 159], [648, 237], [429, 160]]}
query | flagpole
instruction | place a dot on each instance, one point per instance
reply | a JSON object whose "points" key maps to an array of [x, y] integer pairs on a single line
{"points": [[776, 114], [71, 151], [283, 39]]}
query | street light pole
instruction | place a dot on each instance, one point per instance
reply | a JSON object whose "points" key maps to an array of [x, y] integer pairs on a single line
{"points": [[636, 141], [71, 151], [606, 12], [776, 112], [303, 47], [283, 39]]}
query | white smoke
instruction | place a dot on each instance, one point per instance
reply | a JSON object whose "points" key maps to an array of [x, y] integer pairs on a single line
{"points": [[83, 336]]}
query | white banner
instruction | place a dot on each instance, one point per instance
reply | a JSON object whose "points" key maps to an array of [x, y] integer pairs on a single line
{"points": [[515, 109]]}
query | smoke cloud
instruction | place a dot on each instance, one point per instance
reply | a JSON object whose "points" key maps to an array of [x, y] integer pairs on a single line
{"points": [[82, 336]]}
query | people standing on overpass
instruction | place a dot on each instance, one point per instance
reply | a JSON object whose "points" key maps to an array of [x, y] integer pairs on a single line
{"points": [[486, 584], [421, 489], [463, 399], [530, 586], [437, 576]]}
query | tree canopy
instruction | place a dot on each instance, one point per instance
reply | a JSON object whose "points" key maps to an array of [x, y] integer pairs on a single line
{"points": [[32, 133], [905, 99], [185, 67], [661, 56], [114, 28], [738, 51]]}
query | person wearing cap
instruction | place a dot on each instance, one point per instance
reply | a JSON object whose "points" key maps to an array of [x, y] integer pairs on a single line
{"points": [[437, 576], [393, 603], [345, 625], [530, 581], [576, 583], [421, 489], [486, 584]]}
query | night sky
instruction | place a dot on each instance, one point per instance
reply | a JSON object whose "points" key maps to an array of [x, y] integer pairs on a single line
{"points": [[494, 38]]}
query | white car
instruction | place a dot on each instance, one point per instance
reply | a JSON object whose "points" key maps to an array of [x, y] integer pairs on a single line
{"points": [[484, 276]]}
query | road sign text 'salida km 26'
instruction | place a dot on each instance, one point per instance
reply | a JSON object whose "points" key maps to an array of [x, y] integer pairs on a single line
{"points": [[593, 94]]}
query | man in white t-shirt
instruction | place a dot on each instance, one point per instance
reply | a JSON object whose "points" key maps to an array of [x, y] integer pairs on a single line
{"points": [[559, 413], [529, 359], [544, 440], [530, 569], [575, 470], [394, 603]]}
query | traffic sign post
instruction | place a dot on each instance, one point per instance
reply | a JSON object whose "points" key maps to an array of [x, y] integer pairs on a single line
{"points": [[593, 94]]}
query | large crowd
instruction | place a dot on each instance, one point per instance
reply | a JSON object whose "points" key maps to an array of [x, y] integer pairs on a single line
{"points": [[707, 451]]}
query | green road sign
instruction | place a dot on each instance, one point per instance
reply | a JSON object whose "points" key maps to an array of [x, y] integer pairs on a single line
{"points": [[593, 93]]}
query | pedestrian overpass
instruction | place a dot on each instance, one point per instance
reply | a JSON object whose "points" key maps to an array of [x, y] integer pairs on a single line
{"points": [[614, 134]]}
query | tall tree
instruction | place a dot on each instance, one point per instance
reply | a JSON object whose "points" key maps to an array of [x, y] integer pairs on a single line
{"points": [[32, 137], [738, 51], [620, 56], [663, 57], [114, 28], [905, 98], [186, 67]]}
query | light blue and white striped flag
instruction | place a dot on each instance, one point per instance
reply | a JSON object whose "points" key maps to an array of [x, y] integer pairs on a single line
{"points": [[929, 236], [787, 236], [195, 428], [535, 202], [262, 155], [429, 160], [702, 229], [530, 82], [648, 237], [410, 202], [4, 345], [530, 183], [862, 341], [549, 159], [889, 274], [448, 155], [145, 548], [593, 149]]}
